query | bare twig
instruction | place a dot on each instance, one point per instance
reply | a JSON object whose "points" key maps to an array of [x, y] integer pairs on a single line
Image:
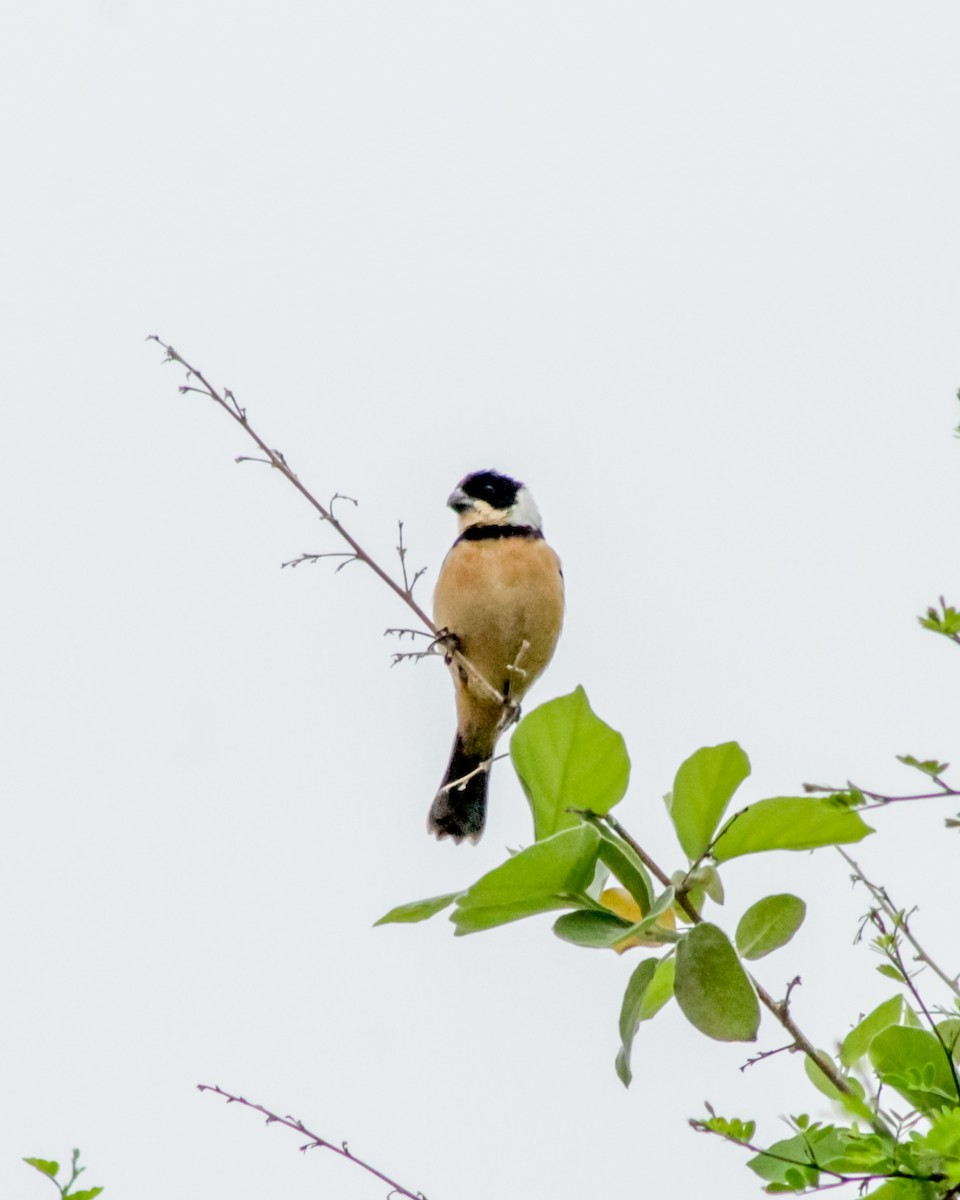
{"points": [[900, 920], [408, 584], [755, 1058], [314, 1142], [457, 785], [226, 400]]}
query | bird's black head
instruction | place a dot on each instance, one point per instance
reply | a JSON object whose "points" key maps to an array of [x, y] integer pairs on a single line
{"points": [[499, 491]]}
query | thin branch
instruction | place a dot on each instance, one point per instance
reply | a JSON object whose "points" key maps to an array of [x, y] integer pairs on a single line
{"points": [[880, 799], [900, 920], [227, 401], [408, 584], [755, 1058], [457, 785], [315, 1142]]}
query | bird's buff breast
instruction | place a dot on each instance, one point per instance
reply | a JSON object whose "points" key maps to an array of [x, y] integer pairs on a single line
{"points": [[495, 595]]}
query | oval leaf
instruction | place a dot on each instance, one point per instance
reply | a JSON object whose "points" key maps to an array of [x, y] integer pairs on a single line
{"points": [[701, 792], [857, 1042], [596, 930], [712, 988], [769, 924], [624, 862], [542, 877], [566, 757], [44, 1165], [789, 823]]}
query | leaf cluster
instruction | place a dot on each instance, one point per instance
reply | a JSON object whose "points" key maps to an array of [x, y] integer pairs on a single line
{"points": [[574, 770], [610, 895]]}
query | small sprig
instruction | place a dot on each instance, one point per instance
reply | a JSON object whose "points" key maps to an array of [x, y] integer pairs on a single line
{"points": [[900, 920], [314, 1141], [945, 620], [866, 800], [51, 1170]]}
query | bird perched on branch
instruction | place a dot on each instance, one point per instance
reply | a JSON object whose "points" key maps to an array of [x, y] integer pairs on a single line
{"points": [[499, 603]]}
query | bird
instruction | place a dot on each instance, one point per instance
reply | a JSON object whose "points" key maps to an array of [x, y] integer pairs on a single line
{"points": [[499, 603]]}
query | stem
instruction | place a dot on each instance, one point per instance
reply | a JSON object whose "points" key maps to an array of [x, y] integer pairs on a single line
{"points": [[316, 1142], [274, 458], [900, 922]]}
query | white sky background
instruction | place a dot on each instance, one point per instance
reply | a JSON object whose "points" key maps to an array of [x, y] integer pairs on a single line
{"points": [[690, 271]]}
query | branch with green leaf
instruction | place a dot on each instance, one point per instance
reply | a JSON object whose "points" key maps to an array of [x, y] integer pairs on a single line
{"points": [[51, 1170], [612, 894]]}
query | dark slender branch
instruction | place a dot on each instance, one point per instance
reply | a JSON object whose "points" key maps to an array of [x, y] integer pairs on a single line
{"points": [[879, 799], [755, 1058], [227, 401], [900, 921], [315, 1142], [812, 1165]]}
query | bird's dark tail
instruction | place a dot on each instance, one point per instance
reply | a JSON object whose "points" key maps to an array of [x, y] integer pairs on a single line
{"points": [[459, 809]]}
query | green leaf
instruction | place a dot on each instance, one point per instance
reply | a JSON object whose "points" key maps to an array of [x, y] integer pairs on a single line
{"points": [[857, 1042], [595, 930], [733, 1127], [87, 1194], [566, 757], [547, 875], [929, 766], [701, 792], [944, 1134], [626, 865], [637, 985], [417, 910], [648, 990], [660, 990], [789, 823], [712, 988], [44, 1165], [912, 1062], [906, 1189], [891, 972], [772, 1167], [819, 1078], [769, 924], [949, 1031]]}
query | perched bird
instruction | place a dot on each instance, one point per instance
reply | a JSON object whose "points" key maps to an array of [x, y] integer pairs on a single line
{"points": [[499, 602]]}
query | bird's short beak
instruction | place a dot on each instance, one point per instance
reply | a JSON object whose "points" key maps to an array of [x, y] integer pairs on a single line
{"points": [[459, 501]]}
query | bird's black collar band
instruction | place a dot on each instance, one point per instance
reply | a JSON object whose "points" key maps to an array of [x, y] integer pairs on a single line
{"points": [[483, 533]]}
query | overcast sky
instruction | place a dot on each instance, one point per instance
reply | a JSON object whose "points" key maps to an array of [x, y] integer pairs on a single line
{"points": [[690, 271]]}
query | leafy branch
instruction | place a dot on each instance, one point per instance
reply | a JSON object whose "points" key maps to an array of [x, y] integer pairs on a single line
{"points": [[945, 620], [779, 1009], [315, 1141], [50, 1169]]}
